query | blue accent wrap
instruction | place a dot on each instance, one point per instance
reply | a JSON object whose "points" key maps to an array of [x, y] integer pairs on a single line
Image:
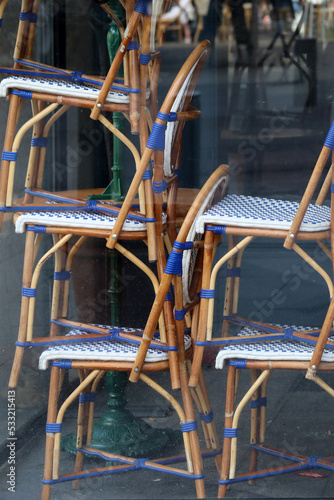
{"points": [[329, 142], [144, 59], [147, 174], [257, 403], [230, 432], [217, 229], [332, 187], [28, 16], [40, 142], [36, 229], [25, 94], [177, 172], [180, 314], [133, 45], [288, 334], [189, 426], [9, 155], [91, 205], [64, 365], [28, 292], [174, 263], [140, 7], [62, 275], [76, 77], [157, 137], [53, 428], [241, 364], [140, 463], [188, 245], [88, 397], [163, 116], [206, 293], [313, 461], [0, 22], [169, 296], [235, 271], [159, 187], [171, 117], [207, 418]]}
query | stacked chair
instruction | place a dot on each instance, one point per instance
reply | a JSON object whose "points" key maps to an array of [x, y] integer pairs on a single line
{"points": [[263, 348], [95, 349]]}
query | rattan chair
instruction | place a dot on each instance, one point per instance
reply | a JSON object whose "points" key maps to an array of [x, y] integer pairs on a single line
{"points": [[52, 91], [262, 358], [117, 351], [250, 217], [83, 221]]}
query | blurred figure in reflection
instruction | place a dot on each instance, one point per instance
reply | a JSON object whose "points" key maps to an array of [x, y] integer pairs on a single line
{"points": [[182, 10]]}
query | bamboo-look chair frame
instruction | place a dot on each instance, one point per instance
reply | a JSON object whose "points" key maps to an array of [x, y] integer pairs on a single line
{"points": [[29, 284], [91, 371], [233, 259], [198, 57], [15, 106], [260, 372]]}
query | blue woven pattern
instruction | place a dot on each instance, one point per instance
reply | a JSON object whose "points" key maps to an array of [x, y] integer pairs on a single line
{"points": [[289, 350], [248, 211], [102, 350], [79, 218], [61, 87]]}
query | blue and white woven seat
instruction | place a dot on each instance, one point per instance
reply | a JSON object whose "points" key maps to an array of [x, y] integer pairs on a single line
{"points": [[61, 87], [273, 350], [264, 213], [78, 219], [104, 350]]}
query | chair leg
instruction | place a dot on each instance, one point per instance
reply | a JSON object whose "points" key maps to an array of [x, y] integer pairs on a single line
{"points": [[255, 424], [26, 282], [193, 436], [50, 437], [229, 408], [9, 138], [82, 425]]}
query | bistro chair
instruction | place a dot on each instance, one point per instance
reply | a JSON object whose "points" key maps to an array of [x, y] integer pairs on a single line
{"points": [[262, 358], [82, 220], [115, 353], [52, 91], [250, 217]]}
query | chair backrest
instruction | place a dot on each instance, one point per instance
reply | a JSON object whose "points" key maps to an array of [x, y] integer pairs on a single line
{"points": [[311, 187], [193, 66]]}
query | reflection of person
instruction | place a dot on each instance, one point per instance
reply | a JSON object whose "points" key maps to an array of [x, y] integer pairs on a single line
{"points": [[183, 10]]}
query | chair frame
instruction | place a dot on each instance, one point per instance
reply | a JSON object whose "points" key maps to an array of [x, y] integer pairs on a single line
{"points": [[91, 371]]}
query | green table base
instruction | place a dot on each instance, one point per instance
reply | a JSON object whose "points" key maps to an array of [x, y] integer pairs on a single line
{"points": [[118, 431]]}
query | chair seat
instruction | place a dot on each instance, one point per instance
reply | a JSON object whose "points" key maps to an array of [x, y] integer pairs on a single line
{"points": [[104, 350], [249, 211], [60, 87], [78, 219], [274, 350]]}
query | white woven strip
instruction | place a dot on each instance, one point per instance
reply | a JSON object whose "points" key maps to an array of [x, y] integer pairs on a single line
{"points": [[77, 219], [60, 87], [248, 211], [275, 350], [101, 351]]}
